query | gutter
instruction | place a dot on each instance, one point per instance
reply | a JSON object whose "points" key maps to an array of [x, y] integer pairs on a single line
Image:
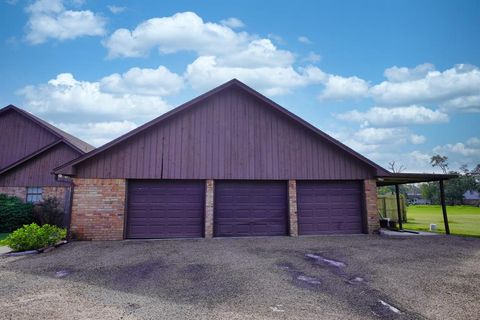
{"points": [[68, 201]]}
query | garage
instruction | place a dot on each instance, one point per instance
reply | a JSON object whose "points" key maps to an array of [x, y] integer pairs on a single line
{"points": [[329, 207], [165, 209], [250, 208], [224, 164]]}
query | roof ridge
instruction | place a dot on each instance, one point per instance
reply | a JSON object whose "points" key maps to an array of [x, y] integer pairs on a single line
{"points": [[230, 83], [71, 140]]}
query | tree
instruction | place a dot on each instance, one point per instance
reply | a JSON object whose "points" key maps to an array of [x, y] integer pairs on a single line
{"points": [[394, 168], [439, 161], [430, 191]]}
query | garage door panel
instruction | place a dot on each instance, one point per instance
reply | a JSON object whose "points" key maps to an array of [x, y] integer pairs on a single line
{"points": [[165, 209], [250, 208], [329, 207]]}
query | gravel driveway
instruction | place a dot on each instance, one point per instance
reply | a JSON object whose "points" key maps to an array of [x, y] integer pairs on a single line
{"points": [[329, 277]]}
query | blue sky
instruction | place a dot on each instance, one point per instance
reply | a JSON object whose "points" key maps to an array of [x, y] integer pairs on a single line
{"points": [[395, 80]]}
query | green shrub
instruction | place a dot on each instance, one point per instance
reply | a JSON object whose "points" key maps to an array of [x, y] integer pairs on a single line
{"points": [[32, 236], [14, 213], [48, 212]]}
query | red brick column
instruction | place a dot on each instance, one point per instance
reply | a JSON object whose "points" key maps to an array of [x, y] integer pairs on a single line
{"points": [[370, 188], [98, 209], [209, 212], [292, 207]]}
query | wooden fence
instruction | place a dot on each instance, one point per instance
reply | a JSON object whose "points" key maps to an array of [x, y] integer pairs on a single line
{"points": [[387, 207]]}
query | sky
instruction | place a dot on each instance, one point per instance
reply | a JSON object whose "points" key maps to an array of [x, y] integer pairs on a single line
{"points": [[394, 80]]}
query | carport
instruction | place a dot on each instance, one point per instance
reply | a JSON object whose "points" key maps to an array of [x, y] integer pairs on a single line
{"points": [[397, 179]]}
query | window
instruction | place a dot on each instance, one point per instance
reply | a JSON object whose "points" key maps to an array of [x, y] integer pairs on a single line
{"points": [[34, 194]]}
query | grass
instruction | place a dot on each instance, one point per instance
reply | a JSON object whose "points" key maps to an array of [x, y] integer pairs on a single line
{"points": [[463, 220]]}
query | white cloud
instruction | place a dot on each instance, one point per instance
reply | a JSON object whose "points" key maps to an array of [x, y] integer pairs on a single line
{"points": [[276, 38], [471, 148], [397, 116], [339, 88], [49, 19], [116, 9], [258, 53], [462, 104], [417, 139], [312, 57], [384, 145], [184, 31], [402, 74], [304, 40], [205, 73], [97, 133], [187, 31], [154, 82], [434, 87], [390, 136], [233, 23], [83, 99], [473, 142]]}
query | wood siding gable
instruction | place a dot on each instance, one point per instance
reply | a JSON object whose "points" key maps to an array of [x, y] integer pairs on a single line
{"points": [[231, 134], [20, 137]]}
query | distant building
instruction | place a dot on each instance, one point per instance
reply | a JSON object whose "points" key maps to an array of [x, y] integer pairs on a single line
{"points": [[472, 198], [414, 196]]}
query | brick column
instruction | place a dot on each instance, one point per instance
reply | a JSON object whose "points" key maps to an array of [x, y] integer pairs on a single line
{"points": [[370, 188], [292, 207], [209, 194], [98, 209]]}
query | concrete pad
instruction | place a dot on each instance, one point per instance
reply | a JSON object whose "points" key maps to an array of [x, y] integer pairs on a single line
{"points": [[405, 233], [5, 249]]}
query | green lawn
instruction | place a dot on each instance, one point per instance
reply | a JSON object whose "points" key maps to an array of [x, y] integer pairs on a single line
{"points": [[463, 220]]}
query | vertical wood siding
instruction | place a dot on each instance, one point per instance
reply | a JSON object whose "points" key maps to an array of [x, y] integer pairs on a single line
{"points": [[20, 137], [37, 171], [230, 135]]}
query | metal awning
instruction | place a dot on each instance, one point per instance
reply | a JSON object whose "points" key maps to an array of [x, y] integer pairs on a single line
{"points": [[404, 178]]}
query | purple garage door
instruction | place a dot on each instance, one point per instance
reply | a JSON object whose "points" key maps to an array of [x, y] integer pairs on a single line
{"points": [[329, 207], [165, 209], [250, 208]]}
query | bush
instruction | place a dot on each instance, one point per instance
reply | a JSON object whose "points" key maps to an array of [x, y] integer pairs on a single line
{"points": [[14, 213], [32, 236], [48, 212]]}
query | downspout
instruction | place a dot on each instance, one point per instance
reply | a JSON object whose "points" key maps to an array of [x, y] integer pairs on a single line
{"points": [[68, 201]]}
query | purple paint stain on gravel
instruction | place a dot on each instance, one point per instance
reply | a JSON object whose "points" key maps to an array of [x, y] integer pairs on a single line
{"points": [[323, 260], [61, 273]]}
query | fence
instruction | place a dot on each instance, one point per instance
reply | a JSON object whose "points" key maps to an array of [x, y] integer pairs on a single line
{"points": [[387, 207]]}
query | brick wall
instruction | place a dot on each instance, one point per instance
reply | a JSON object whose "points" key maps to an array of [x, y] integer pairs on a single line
{"points": [[370, 188], [98, 209], [19, 192], [292, 207], [57, 192]]}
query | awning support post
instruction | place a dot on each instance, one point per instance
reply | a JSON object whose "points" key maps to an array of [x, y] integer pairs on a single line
{"points": [[444, 207], [397, 193]]}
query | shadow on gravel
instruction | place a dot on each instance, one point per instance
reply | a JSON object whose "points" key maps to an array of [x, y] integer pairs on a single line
{"points": [[186, 283]]}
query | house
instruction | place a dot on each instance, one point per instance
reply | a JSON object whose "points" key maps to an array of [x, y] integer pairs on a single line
{"points": [[30, 149], [414, 196], [472, 198], [229, 163]]}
